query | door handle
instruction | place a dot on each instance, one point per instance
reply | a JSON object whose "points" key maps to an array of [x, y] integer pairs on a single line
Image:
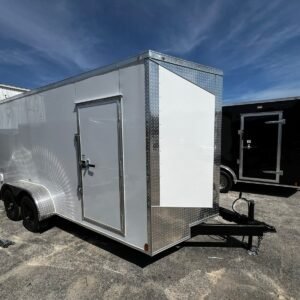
{"points": [[281, 121], [280, 172], [85, 164], [248, 147]]}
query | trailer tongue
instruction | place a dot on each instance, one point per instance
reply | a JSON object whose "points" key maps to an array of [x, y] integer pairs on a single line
{"points": [[245, 226]]}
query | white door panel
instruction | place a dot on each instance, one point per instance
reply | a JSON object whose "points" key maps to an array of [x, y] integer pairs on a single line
{"points": [[100, 147]]}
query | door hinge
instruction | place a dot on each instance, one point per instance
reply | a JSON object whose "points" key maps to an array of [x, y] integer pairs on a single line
{"points": [[80, 192], [281, 121], [273, 172], [238, 161], [76, 138]]}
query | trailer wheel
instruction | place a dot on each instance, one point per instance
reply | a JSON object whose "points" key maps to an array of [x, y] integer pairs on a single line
{"points": [[30, 215], [12, 209], [225, 182]]}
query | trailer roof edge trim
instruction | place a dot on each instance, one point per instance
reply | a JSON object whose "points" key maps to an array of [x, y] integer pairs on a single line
{"points": [[260, 101], [14, 88], [108, 68], [182, 62]]}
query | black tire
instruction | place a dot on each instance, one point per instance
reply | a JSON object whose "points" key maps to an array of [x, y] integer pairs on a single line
{"points": [[12, 209], [30, 215], [225, 182]]}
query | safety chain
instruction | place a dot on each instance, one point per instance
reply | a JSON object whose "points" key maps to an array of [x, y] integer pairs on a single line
{"points": [[255, 249]]}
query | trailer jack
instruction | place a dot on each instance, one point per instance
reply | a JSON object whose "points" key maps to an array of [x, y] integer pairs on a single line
{"points": [[245, 226]]}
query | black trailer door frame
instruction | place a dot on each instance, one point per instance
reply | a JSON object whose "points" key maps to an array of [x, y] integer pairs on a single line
{"points": [[267, 168]]}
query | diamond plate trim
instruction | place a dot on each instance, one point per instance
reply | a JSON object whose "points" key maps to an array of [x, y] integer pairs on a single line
{"points": [[172, 225], [152, 132]]}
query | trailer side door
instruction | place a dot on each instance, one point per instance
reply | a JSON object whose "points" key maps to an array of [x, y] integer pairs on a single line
{"points": [[260, 146], [101, 163]]}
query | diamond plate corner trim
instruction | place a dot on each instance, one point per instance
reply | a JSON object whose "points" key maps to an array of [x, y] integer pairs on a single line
{"points": [[152, 132], [152, 140], [148, 174]]}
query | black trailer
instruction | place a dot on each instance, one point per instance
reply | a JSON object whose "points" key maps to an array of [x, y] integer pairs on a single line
{"points": [[261, 143]]}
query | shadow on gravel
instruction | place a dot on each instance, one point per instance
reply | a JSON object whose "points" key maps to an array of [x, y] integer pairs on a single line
{"points": [[129, 254], [265, 190], [116, 248]]}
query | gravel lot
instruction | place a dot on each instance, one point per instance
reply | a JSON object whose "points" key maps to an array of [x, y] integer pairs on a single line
{"points": [[68, 262]]}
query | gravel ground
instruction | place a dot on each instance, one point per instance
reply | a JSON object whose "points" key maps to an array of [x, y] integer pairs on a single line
{"points": [[69, 262]]}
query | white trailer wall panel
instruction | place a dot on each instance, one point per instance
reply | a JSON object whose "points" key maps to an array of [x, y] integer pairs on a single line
{"points": [[42, 149], [186, 140]]}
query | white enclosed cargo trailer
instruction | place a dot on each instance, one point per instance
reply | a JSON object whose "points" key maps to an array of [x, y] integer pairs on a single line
{"points": [[131, 151], [7, 91]]}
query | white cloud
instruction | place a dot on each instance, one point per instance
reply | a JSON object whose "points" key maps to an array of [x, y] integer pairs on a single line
{"points": [[50, 30], [262, 46], [262, 30], [15, 57], [191, 26]]}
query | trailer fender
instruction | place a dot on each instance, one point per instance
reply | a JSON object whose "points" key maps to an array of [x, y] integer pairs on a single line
{"points": [[230, 171], [38, 192]]}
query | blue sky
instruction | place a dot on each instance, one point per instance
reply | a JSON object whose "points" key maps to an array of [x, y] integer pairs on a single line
{"points": [[256, 43]]}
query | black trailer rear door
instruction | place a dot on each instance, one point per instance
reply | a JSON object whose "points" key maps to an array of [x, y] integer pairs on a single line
{"points": [[260, 146]]}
